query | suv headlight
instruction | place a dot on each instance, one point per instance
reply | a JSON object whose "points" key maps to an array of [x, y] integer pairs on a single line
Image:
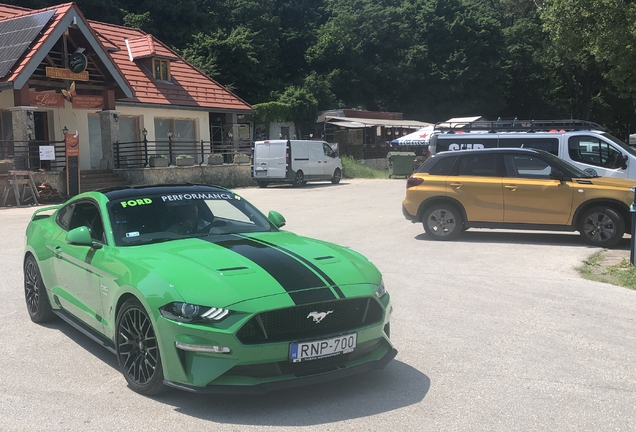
{"points": [[188, 313], [381, 290]]}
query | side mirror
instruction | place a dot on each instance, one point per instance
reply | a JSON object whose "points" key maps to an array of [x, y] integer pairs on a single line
{"points": [[624, 160], [276, 218], [80, 236]]}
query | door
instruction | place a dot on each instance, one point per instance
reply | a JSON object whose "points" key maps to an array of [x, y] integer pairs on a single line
{"points": [[78, 278], [317, 160], [531, 196], [590, 152], [477, 186], [270, 159], [331, 163]]}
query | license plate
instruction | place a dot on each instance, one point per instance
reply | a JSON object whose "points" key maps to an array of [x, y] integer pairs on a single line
{"points": [[303, 351], [261, 173]]}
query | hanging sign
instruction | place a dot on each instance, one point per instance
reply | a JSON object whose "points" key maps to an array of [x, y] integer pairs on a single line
{"points": [[77, 62]]}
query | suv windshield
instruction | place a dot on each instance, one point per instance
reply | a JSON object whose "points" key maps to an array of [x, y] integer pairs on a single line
{"points": [[158, 218]]}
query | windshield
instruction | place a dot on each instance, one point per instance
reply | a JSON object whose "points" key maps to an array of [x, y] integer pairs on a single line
{"points": [[159, 218], [620, 143]]}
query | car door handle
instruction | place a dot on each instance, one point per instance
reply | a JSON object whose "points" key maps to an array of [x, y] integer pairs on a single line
{"points": [[511, 187], [57, 251], [457, 185]]}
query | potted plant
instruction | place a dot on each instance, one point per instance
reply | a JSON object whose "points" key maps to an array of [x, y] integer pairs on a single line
{"points": [[158, 161], [241, 159], [215, 159], [5, 165], [185, 160]]}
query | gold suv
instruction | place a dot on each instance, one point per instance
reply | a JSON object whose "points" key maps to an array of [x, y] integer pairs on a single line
{"points": [[516, 189]]}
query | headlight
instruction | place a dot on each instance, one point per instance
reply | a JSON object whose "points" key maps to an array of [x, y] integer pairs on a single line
{"points": [[381, 290], [188, 313]]}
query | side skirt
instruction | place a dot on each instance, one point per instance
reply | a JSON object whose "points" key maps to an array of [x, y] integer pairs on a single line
{"points": [[518, 226], [87, 331]]}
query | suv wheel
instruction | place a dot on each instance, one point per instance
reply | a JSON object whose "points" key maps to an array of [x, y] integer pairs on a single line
{"points": [[602, 226], [443, 222]]}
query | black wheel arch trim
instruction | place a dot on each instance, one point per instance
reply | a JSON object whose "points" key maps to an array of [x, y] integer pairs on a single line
{"points": [[618, 206], [427, 203]]}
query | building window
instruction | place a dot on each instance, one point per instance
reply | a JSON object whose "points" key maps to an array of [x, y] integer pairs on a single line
{"points": [[161, 69], [6, 135], [182, 133]]}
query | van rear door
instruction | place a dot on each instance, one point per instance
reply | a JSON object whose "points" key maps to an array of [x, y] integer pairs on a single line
{"points": [[270, 159]]}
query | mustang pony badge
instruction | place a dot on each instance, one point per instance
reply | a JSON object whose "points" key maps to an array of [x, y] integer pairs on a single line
{"points": [[318, 316]]}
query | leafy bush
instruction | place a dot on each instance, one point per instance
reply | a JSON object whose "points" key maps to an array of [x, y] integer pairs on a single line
{"points": [[353, 169]]}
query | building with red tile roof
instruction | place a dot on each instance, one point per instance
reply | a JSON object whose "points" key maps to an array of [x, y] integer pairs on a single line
{"points": [[122, 92]]}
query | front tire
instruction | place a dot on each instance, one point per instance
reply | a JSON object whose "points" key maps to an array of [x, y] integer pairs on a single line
{"points": [[37, 300], [443, 222], [337, 176], [138, 350], [299, 180], [602, 226], [262, 184]]}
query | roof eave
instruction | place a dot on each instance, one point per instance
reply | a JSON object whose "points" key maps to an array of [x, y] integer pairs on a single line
{"points": [[72, 17]]}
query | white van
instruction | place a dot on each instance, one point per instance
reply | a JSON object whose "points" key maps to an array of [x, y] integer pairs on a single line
{"points": [[582, 143], [295, 161]]}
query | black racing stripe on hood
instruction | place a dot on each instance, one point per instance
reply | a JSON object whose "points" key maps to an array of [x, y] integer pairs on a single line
{"points": [[291, 274], [313, 266]]}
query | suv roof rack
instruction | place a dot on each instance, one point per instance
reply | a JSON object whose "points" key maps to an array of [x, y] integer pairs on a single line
{"points": [[519, 126]]}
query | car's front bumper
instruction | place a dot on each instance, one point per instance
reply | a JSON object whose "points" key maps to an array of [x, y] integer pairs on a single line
{"points": [[260, 366], [267, 386]]}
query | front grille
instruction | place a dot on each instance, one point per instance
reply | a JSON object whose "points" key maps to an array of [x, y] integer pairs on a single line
{"points": [[294, 323]]}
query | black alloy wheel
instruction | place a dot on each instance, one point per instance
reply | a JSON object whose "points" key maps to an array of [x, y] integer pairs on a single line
{"points": [[37, 300], [138, 350]]}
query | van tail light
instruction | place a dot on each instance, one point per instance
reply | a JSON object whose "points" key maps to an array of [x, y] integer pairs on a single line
{"points": [[428, 153], [414, 181]]}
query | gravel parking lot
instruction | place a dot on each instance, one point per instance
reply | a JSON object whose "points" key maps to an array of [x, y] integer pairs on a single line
{"points": [[495, 331]]}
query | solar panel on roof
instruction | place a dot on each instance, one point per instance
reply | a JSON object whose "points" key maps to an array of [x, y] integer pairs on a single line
{"points": [[16, 35]]}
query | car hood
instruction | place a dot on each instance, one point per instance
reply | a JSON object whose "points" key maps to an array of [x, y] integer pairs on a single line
{"points": [[224, 270]]}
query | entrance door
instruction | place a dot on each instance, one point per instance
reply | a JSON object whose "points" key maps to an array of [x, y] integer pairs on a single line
{"points": [[41, 137]]}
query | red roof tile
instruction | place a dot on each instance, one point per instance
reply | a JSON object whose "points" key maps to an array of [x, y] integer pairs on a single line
{"points": [[189, 86]]}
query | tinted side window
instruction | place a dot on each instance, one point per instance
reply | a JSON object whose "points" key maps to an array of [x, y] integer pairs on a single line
{"points": [[551, 145], [482, 165], [438, 166], [86, 214], [464, 142], [527, 167], [64, 216]]}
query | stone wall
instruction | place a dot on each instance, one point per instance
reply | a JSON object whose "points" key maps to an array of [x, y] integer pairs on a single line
{"points": [[229, 176]]}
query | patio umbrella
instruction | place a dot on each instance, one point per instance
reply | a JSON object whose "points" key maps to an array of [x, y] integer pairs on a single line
{"points": [[417, 138]]}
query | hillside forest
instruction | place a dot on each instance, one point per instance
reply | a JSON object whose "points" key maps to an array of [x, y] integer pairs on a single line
{"points": [[430, 59]]}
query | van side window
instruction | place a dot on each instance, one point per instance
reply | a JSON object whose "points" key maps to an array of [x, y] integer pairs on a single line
{"points": [[483, 165], [593, 151], [326, 148], [527, 167], [551, 145]]}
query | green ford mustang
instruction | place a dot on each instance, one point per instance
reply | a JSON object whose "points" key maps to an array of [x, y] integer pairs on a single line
{"points": [[190, 286]]}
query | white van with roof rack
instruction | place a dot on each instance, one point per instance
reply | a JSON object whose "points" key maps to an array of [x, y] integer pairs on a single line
{"points": [[583, 143], [295, 161]]}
